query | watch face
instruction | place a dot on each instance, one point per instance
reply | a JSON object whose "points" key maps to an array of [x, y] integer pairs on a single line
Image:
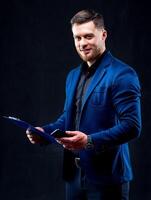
{"points": [[89, 144]]}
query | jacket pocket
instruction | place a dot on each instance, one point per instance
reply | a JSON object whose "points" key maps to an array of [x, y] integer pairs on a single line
{"points": [[98, 98]]}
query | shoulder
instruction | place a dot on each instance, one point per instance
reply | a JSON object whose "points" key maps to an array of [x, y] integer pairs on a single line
{"points": [[120, 74], [120, 69], [115, 66], [123, 75], [73, 72]]}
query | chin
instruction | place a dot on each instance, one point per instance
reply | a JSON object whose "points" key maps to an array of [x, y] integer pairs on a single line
{"points": [[87, 58]]}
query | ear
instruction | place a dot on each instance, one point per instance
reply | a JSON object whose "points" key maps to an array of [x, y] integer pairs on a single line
{"points": [[104, 34]]}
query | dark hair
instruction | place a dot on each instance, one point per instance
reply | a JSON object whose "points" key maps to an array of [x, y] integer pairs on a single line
{"points": [[88, 15]]}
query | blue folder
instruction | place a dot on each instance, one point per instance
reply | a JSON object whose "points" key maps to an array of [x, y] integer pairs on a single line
{"points": [[26, 125]]}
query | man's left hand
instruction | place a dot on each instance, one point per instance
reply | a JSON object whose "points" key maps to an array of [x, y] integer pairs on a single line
{"points": [[77, 140]]}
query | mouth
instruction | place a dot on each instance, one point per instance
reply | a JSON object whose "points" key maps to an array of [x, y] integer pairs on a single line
{"points": [[85, 51]]}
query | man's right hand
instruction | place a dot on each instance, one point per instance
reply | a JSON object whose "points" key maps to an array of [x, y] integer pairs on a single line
{"points": [[35, 139]]}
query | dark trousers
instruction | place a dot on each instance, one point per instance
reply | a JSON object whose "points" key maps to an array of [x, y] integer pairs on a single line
{"points": [[80, 189]]}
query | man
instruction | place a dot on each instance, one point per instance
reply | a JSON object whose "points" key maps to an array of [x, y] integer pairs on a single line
{"points": [[101, 115]]}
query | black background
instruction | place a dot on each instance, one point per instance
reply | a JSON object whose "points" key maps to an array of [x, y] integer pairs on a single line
{"points": [[36, 53]]}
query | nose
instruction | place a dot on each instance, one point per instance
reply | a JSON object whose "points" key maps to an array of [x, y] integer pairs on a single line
{"points": [[83, 43]]}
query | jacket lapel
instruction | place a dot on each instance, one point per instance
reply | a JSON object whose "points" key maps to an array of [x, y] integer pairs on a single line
{"points": [[74, 80], [97, 76]]}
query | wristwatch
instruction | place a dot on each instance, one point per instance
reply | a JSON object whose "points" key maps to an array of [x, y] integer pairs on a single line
{"points": [[89, 144]]}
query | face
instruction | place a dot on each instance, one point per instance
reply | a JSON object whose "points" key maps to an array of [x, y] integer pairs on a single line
{"points": [[89, 41]]}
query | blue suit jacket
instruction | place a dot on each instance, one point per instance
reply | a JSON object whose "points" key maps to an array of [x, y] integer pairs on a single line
{"points": [[111, 114]]}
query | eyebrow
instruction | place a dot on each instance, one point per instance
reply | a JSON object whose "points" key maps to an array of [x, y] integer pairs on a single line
{"points": [[85, 35]]}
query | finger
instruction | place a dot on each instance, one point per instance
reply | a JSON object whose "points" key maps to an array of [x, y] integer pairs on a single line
{"points": [[28, 131], [68, 139], [69, 148], [30, 137], [59, 141], [71, 133], [64, 140], [32, 141], [39, 128]]}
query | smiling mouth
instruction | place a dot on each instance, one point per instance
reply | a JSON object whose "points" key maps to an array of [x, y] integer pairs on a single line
{"points": [[86, 51]]}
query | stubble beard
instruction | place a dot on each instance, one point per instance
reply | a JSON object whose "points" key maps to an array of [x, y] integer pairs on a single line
{"points": [[94, 55]]}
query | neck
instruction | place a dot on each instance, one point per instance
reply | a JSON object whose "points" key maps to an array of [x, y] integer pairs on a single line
{"points": [[91, 62]]}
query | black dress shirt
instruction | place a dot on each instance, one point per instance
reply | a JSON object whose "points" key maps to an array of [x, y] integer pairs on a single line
{"points": [[87, 73]]}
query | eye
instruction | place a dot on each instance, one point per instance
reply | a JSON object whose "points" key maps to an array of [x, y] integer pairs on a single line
{"points": [[89, 37], [77, 38]]}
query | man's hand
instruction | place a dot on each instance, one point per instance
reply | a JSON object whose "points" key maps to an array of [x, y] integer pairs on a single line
{"points": [[35, 139], [76, 141]]}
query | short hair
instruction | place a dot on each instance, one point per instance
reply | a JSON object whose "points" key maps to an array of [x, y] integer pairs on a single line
{"points": [[88, 15]]}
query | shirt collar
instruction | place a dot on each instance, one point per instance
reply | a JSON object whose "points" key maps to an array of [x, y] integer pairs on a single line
{"points": [[90, 70]]}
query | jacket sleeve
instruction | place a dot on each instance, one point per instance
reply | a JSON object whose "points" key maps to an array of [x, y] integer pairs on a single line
{"points": [[125, 94]]}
